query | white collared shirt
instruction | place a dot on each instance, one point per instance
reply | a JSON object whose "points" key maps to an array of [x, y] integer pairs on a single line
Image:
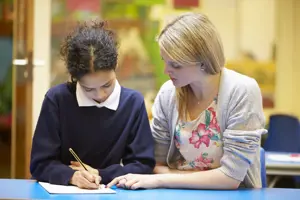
{"points": [[112, 102]]}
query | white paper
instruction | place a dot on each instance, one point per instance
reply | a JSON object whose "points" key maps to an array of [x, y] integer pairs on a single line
{"points": [[283, 158], [62, 189]]}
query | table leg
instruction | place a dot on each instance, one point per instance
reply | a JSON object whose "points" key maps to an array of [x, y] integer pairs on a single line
{"points": [[273, 181]]}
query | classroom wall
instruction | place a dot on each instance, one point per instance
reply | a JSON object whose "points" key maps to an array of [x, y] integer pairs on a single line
{"points": [[244, 25], [288, 57], [261, 24], [257, 27], [41, 55], [225, 16]]}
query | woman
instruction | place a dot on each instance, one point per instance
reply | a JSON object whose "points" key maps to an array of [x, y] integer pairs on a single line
{"points": [[207, 121], [105, 124]]}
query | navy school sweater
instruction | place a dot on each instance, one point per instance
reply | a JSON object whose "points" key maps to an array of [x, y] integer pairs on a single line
{"points": [[101, 137]]}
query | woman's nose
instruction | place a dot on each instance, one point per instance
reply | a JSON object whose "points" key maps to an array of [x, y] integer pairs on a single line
{"points": [[167, 69]]}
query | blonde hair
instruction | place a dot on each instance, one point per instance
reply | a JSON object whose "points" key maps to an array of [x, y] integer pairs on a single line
{"points": [[191, 38]]}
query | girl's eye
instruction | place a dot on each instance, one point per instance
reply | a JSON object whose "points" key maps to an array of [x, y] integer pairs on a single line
{"points": [[106, 86], [88, 89]]}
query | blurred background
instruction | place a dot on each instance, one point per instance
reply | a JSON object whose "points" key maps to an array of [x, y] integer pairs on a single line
{"points": [[261, 39]]}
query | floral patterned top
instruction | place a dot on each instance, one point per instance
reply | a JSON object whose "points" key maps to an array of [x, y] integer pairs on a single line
{"points": [[199, 141]]}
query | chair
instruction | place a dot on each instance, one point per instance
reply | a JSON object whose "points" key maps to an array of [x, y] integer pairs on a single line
{"points": [[263, 173], [283, 134]]}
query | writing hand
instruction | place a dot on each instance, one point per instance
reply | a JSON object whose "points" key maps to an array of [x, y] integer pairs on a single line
{"points": [[77, 166], [85, 180]]}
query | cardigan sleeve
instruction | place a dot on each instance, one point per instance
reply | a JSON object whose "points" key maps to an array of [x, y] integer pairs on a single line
{"points": [[244, 128], [159, 124]]}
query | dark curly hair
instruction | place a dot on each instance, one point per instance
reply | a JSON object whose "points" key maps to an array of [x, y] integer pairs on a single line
{"points": [[88, 48]]}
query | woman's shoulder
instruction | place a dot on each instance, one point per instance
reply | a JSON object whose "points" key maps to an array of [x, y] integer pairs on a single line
{"points": [[241, 94], [237, 84], [167, 90], [165, 99], [167, 86]]}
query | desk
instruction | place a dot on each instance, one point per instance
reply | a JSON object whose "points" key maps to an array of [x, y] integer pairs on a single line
{"points": [[280, 167], [26, 189]]}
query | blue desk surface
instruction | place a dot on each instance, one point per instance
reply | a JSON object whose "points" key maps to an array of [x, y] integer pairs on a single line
{"points": [[26, 189]]}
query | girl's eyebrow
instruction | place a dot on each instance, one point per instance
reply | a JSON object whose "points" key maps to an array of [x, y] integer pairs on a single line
{"points": [[85, 87], [108, 82]]}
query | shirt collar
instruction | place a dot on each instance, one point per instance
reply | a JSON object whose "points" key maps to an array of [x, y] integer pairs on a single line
{"points": [[112, 102]]}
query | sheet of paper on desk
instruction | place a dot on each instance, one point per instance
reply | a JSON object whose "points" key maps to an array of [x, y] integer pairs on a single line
{"points": [[62, 189], [284, 158]]}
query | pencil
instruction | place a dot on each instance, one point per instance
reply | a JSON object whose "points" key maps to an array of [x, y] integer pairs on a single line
{"points": [[77, 158]]}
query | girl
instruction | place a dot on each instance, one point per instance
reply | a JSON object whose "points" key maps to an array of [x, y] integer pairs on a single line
{"points": [[104, 123]]}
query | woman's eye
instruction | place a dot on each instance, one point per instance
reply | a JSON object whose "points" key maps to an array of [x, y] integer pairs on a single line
{"points": [[176, 66]]}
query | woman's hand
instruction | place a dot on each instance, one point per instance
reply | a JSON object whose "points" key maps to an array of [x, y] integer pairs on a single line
{"points": [[85, 180], [135, 181]]}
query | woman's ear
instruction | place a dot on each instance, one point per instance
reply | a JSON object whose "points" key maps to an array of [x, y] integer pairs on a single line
{"points": [[202, 66]]}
